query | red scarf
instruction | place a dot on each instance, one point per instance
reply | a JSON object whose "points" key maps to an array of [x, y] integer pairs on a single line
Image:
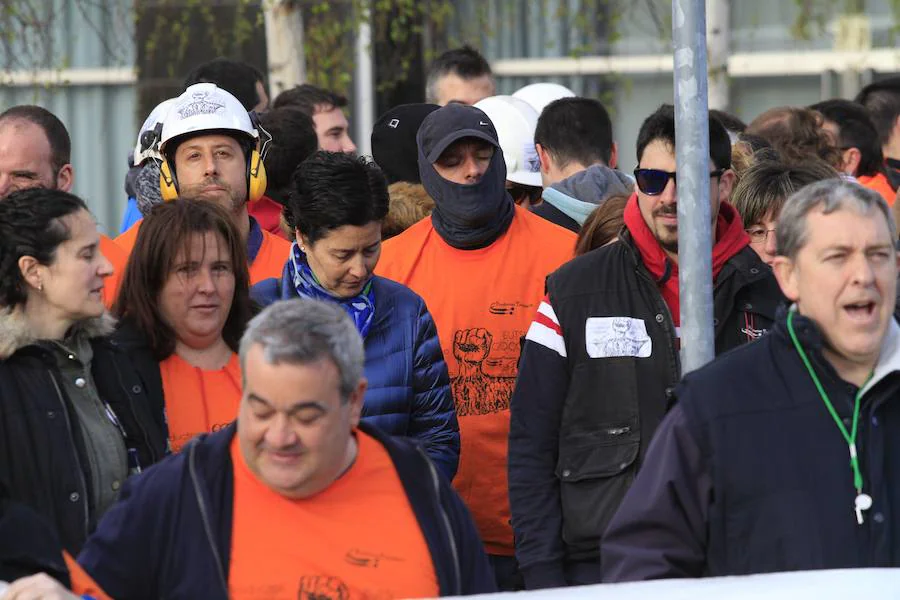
{"points": [[730, 239]]}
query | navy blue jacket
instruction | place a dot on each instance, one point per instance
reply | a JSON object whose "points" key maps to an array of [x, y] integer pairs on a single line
{"points": [[169, 535], [409, 388], [748, 473]]}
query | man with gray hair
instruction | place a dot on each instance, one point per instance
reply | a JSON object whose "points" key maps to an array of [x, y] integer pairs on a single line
{"points": [[793, 469], [298, 498]]}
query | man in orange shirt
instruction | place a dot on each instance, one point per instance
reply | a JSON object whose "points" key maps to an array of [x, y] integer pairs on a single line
{"points": [[35, 151], [479, 262], [855, 135], [209, 142], [298, 499]]}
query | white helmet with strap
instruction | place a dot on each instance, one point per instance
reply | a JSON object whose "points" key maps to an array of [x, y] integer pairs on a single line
{"points": [[147, 145]]}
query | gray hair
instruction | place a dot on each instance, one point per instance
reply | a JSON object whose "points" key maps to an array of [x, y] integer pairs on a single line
{"points": [[830, 195], [302, 331]]}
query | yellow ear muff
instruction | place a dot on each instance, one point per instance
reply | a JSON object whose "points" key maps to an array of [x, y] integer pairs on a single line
{"points": [[168, 187], [256, 177]]}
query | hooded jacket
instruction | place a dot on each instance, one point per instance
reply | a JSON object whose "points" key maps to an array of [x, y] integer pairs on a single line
{"points": [[409, 388], [569, 202], [169, 536], [42, 453], [755, 478], [598, 365]]}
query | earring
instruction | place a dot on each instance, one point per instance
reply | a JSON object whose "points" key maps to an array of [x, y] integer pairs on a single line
{"points": [[40, 286], [303, 249]]}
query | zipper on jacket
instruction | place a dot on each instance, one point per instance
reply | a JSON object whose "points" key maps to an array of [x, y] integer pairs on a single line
{"points": [[204, 516], [436, 481], [670, 324], [84, 490]]}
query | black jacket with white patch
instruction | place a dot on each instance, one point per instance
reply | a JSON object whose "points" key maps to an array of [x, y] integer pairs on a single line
{"points": [[597, 369]]}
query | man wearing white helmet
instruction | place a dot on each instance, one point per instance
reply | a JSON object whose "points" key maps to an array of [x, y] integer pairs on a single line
{"points": [[578, 156], [515, 121], [208, 143]]}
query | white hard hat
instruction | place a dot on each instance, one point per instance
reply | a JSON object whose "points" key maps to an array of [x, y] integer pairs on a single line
{"points": [[539, 95], [205, 107], [147, 145], [515, 121]]}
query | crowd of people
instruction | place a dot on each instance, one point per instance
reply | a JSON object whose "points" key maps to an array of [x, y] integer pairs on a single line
{"points": [[449, 368]]}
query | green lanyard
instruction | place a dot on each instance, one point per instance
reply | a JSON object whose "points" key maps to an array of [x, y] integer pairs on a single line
{"points": [[863, 501]]}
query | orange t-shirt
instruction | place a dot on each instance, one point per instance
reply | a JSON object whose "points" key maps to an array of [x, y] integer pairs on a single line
{"points": [[198, 401], [115, 255], [879, 182], [269, 261], [127, 238], [329, 545], [82, 583], [483, 302]]}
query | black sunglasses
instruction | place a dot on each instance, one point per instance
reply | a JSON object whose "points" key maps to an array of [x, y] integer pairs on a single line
{"points": [[653, 181]]}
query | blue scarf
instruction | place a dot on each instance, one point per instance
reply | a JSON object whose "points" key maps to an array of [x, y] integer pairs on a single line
{"points": [[361, 308]]}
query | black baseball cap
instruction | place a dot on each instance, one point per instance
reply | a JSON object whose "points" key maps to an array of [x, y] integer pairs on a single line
{"points": [[394, 141], [451, 123]]}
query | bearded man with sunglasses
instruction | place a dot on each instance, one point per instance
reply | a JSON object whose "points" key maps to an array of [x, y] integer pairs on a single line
{"points": [[601, 359]]}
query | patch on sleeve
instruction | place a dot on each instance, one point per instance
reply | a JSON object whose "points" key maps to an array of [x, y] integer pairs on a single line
{"points": [[609, 337]]}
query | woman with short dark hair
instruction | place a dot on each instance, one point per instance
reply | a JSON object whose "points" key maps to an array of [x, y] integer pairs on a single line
{"points": [[75, 416], [336, 209], [184, 303]]}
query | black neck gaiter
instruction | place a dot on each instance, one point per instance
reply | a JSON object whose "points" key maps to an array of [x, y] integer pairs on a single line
{"points": [[471, 216]]}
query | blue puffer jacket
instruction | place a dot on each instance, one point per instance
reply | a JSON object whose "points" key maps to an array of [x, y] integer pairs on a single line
{"points": [[409, 388]]}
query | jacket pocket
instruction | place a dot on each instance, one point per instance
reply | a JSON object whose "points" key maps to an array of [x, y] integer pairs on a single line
{"points": [[595, 470]]}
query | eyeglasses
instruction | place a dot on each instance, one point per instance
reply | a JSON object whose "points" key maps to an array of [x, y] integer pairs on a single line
{"points": [[653, 181], [758, 235]]}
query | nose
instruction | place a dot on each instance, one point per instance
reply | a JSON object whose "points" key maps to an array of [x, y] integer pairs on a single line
{"points": [[358, 267], [280, 434], [863, 272], [205, 282], [211, 167], [670, 193], [105, 268], [474, 170], [348, 146]]}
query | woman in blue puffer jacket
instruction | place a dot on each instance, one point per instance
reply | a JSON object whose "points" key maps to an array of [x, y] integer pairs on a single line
{"points": [[336, 206]]}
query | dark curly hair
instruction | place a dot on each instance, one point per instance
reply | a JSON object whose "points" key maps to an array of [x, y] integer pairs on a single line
{"points": [[333, 189], [31, 224], [796, 134], [167, 229]]}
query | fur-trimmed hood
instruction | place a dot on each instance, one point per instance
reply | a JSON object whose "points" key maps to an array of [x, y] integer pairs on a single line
{"points": [[15, 332]]}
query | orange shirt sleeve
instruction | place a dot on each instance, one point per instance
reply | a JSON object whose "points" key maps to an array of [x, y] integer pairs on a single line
{"points": [[82, 583]]}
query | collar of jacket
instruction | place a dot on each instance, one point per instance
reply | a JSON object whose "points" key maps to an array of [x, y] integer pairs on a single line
{"points": [[810, 337], [746, 263], [15, 333]]}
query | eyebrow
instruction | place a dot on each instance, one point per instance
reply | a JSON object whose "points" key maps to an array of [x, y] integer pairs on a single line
{"points": [[293, 409], [91, 246]]}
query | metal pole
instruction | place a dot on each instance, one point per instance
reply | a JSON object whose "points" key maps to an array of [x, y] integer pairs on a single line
{"points": [[693, 165], [364, 85]]}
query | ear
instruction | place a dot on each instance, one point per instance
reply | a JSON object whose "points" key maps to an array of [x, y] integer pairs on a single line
{"points": [[786, 275], [850, 160], [302, 240], [726, 185], [614, 156], [546, 161], [65, 179], [356, 401], [31, 271]]}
